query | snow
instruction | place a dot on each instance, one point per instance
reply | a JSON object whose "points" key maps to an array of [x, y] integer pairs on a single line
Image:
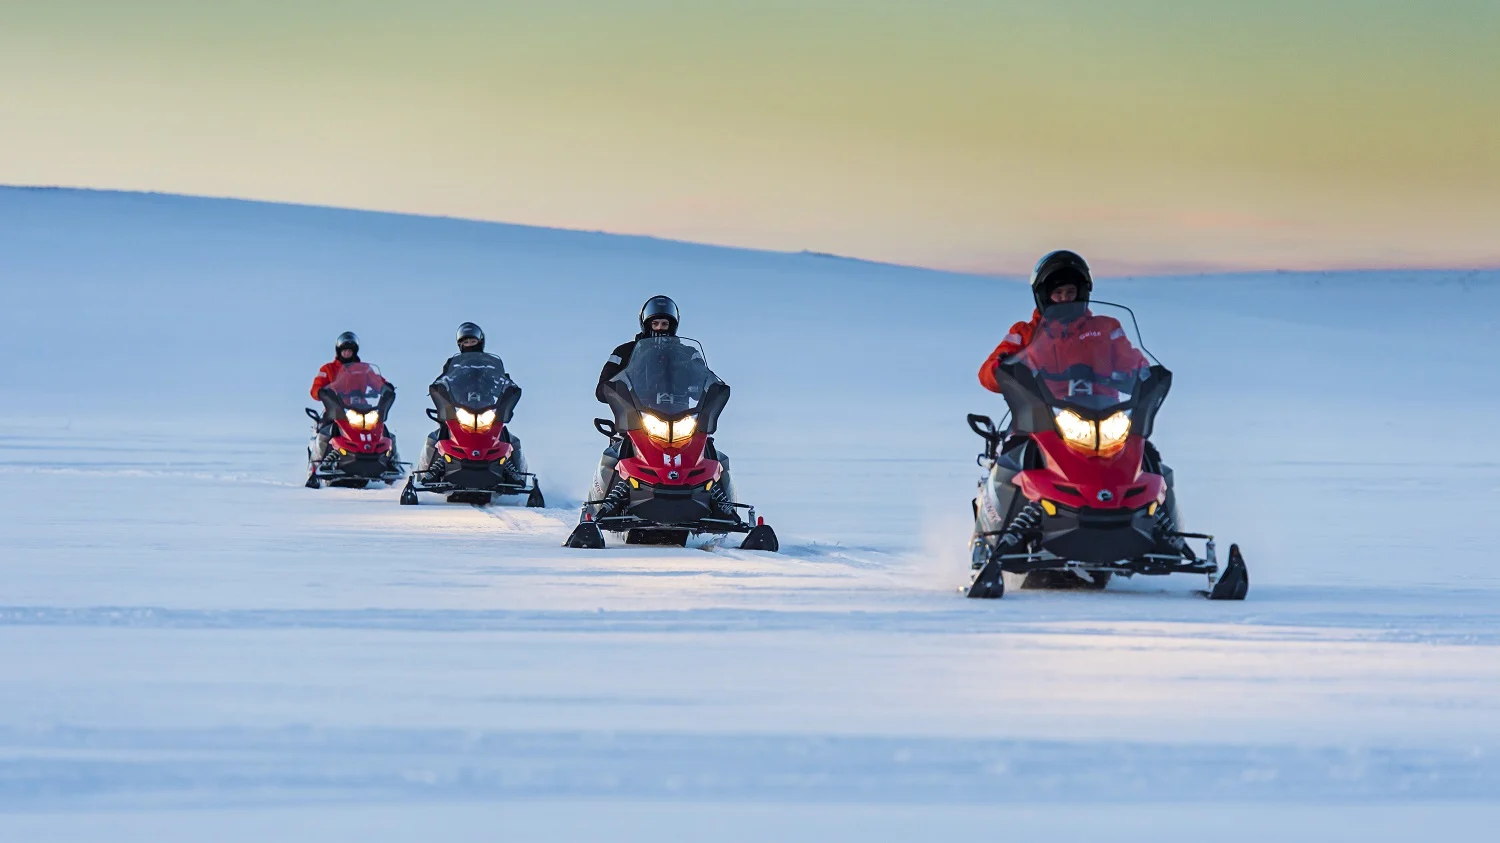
{"points": [[196, 647]]}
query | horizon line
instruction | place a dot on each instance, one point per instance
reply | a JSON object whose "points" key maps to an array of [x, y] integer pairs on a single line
{"points": [[1110, 268]]}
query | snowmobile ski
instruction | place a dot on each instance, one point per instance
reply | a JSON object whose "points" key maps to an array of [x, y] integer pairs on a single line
{"points": [[1233, 583]]}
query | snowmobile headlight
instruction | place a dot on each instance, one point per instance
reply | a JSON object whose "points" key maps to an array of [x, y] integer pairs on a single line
{"points": [[656, 428], [683, 429], [1112, 433], [1077, 431], [484, 421], [355, 418], [465, 418]]}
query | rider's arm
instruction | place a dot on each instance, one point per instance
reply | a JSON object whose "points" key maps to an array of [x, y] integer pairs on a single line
{"points": [[618, 360], [1017, 339], [1127, 358], [324, 377]]}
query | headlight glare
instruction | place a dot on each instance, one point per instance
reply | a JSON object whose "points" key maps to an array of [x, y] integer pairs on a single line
{"points": [[1077, 431], [683, 429], [656, 428], [1113, 432], [485, 420], [464, 417]]}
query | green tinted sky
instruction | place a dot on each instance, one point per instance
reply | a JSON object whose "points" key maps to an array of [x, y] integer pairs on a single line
{"points": [[1152, 133]]}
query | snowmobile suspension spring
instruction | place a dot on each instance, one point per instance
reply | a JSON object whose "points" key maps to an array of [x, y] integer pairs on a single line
{"points": [[1027, 521], [618, 497]]}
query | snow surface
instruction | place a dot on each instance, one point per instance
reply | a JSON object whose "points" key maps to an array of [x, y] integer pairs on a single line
{"points": [[195, 647]]}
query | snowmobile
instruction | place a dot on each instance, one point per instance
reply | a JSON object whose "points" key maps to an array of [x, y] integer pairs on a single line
{"points": [[473, 456], [1074, 492], [350, 432], [662, 478]]}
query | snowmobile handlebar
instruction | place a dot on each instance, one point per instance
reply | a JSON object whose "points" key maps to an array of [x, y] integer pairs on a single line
{"points": [[985, 427]]}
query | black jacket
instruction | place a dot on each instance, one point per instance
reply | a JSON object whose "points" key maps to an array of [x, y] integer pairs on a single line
{"points": [[618, 360]]}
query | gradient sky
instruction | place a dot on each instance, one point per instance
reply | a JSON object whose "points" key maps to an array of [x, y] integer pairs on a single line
{"points": [[971, 134]]}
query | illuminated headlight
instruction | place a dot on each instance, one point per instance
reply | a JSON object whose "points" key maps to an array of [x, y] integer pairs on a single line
{"points": [[1105, 438], [475, 422], [363, 421], [1113, 432], [670, 433], [1077, 431], [656, 428], [683, 429]]}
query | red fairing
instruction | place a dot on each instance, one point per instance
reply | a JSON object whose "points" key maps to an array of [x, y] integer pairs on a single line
{"points": [[1120, 476], [357, 378], [356, 441], [656, 463], [470, 445]]}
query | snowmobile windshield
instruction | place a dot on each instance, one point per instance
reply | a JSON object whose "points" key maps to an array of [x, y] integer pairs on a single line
{"points": [[475, 381], [1086, 356], [358, 387], [667, 375]]}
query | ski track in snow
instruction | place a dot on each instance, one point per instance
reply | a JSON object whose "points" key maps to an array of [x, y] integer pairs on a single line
{"points": [[196, 647]]}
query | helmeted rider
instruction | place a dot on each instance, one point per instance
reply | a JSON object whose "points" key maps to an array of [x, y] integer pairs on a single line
{"points": [[470, 340], [659, 317], [345, 352], [1063, 278]]}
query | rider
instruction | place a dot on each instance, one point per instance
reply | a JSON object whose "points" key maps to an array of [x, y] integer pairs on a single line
{"points": [[659, 317], [470, 340], [345, 351], [1061, 278]]}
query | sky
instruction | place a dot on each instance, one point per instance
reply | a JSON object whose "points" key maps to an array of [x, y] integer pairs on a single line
{"points": [[1151, 135]]}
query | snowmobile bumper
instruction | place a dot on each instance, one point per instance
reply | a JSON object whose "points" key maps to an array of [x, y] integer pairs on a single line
{"points": [[669, 506], [1097, 535], [336, 468], [458, 476], [1149, 564]]}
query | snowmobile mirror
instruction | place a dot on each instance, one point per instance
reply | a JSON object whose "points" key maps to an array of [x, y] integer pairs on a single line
{"points": [[506, 409], [714, 399], [605, 426], [313, 414], [432, 413], [1148, 399]]}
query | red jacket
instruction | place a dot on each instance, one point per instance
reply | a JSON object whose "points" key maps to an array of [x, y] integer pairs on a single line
{"points": [[1090, 331], [326, 374]]}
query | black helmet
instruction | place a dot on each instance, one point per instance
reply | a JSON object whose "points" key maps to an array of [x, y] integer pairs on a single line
{"points": [[469, 330], [1056, 269], [347, 339], [655, 308]]}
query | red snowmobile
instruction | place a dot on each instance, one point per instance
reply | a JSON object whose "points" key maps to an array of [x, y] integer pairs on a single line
{"points": [[662, 478], [473, 457], [1075, 492], [351, 445]]}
